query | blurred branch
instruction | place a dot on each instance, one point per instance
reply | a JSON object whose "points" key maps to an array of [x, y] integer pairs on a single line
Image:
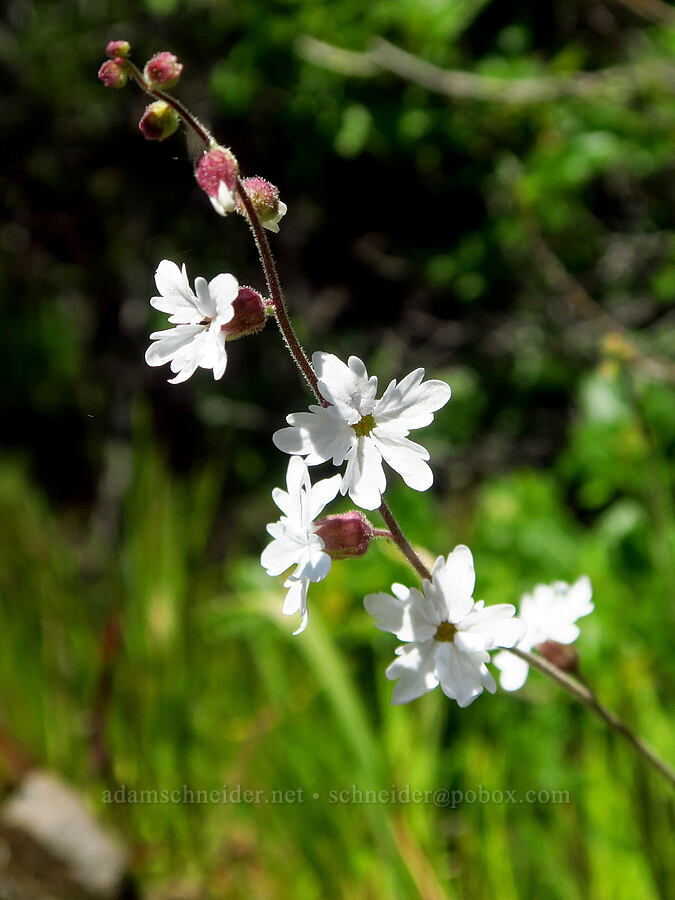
{"points": [[460, 85], [652, 10], [617, 339], [586, 696]]}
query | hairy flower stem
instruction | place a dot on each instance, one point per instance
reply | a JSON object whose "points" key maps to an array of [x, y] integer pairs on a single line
{"points": [[402, 542], [584, 695], [272, 277]]}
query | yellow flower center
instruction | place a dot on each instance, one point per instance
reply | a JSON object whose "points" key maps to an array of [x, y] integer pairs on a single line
{"points": [[364, 426], [446, 631]]}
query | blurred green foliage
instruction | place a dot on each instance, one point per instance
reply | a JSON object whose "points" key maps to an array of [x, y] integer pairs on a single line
{"points": [[522, 250]]}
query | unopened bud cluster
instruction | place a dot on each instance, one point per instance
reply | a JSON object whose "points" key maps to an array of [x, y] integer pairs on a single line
{"points": [[113, 73]]}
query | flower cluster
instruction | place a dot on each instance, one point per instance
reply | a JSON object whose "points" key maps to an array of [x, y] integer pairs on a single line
{"points": [[447, 636]]}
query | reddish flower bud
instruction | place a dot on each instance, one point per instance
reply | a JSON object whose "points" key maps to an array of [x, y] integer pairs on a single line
{"points": [[250, 315], [265, 199], [117, 48], [345, 536], [216, 174], [112, 73], [159, 121], [162, 70], [564, 656]]}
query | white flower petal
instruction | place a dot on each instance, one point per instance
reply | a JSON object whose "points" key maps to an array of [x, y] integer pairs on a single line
{"points": [[411, 403], [321, 495], [406, 458], [177, 298], [224, 289], [347, 387], [168, 343], [296, 601], [364, 477], [460, 673], [513, 670], [452, 584], [491, 626], [318, 434], [280, 554], [389, 614], [414, 667]]}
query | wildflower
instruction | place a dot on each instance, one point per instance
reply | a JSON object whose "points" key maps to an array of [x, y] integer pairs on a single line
{"points": [[112, 73], [162, 70], [364, 431], [198, 339], [216, 174], [265, 199], [296, 542], [448, 634], [159, 121], [117, 49], [549, 614]]}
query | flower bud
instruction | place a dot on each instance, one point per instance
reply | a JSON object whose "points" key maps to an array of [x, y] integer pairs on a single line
{"points": [[162, 70], [118, 48], [249, 317], [216, 174], [159, 121], [112, 73], [564, 656], [345, 536], [265, 199]]}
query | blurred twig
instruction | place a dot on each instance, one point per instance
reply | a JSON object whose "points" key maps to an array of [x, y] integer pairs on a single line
{"points": [[618, 339], [460, 85], [588, 698], [652, 10]]}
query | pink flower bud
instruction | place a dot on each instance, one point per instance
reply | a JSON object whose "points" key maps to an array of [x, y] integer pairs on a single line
{"points": [[250, 315], [345, 536], [117, 48], [265, 199], [112, 73], [216, 174], [564, 656], [162, 70], [159, 121]]}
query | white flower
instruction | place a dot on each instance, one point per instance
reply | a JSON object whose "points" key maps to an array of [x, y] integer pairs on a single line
{"points": [[272, 223], [448, 633], [549, 613], [198, 316], [364, 431], [295, 540], [224, 201]]}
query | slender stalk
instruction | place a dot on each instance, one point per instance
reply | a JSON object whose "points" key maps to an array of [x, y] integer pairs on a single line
{"points": [[383, 533], [190, 120], [274, 286], [584, 695], [402, 542]]}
